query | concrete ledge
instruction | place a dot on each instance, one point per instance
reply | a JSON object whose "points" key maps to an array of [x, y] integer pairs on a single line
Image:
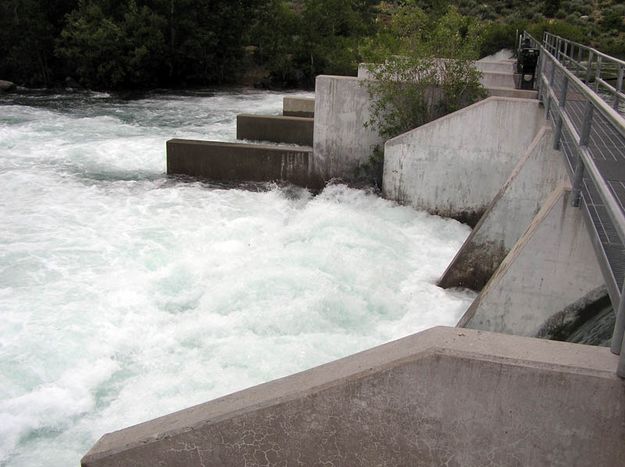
{"points": [[551, 266], [498, 66], [513, 93], [493, 79], [442, 397], [240, 162], [276, 129], [298, 107]]}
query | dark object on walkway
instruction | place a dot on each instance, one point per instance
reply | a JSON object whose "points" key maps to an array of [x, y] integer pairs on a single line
{"points": [[526, 65]]}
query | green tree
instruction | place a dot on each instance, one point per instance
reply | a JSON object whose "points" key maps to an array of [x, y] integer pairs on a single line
{"points": [[551, 7], [431, 74], [28, 29], [113, 51]]}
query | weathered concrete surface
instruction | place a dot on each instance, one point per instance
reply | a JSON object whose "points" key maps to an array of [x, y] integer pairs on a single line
{"points": [[520, 198], [551, 266], [240, 162], [497, 66], [494, 79], [442, 397], [589, 320], [298, 107], [341, 141], [454, 166], [516, 93], [275, 129]]}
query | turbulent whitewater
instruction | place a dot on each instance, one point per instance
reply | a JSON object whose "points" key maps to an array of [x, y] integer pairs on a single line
{"points": [[125, 294]]}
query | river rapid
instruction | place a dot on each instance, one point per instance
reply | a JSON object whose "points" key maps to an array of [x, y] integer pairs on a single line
{"points": [[126, 294]]}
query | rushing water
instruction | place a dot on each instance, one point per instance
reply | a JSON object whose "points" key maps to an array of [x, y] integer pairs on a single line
{"points": [[125, 295]]}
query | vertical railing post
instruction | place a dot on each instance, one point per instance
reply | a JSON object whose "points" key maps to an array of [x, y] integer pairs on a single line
{"points": [[558, 133], [589, 66], [552, 75], [539, 68], [598, 73], [617, 346], [580, 52], [584, 140], [618, 87]]}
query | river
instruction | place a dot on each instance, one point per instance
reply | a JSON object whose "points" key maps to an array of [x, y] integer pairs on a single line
{"points": [[126, 294]]}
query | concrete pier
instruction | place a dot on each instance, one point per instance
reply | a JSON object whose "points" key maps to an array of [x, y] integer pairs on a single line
{"points": [[298, 107], [442, 397], [342, 142], [275, 129], [241, 162]]}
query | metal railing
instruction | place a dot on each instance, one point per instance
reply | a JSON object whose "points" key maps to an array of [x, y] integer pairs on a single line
{"points": [[592, 66], [591, 134]]}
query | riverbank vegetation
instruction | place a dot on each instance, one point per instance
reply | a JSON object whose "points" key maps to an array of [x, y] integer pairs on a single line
{"points": [[138, 44]]}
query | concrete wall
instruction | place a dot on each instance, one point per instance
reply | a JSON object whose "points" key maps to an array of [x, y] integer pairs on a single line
{"points": [[298, 107], [341, 141], [276, 129], [442, 397], [493, 79], [516, 93], [455, 165], [531, 182], [240, 162], [551, 266], [497, 66]]}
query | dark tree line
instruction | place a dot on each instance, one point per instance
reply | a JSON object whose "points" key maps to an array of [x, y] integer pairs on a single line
{"points": [[126, 44], [112, 44]]}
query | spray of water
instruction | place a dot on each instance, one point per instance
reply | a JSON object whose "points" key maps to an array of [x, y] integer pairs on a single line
{"points": [[126, 295]]}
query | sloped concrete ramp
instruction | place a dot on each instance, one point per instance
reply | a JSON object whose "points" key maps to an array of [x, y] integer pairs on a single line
{"points": [[531, 182], [551, 266], [446, 396]]}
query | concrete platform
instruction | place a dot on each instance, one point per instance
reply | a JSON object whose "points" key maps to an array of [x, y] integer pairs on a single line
{"points": [[497, 66], [227, 162], [442, 397], [275, 129], [514, 93], [494, 79], [298, 107]]}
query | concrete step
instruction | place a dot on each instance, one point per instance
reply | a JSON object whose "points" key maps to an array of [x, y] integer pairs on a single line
{"points": [[276, 129], [232, 162], [495, 79], [497, 66], [298, 107]]}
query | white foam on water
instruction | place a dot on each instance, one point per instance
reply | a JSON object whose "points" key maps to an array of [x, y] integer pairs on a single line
{"points": [[126, 295]]}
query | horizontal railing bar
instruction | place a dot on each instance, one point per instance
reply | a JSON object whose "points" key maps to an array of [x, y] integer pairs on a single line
{"points": [[613, 207], [585, 47], [608, 112]]}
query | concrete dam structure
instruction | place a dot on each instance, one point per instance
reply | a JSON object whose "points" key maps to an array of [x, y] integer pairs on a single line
{"points": [[536, 173]]}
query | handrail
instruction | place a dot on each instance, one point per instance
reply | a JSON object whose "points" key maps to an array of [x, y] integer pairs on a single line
{"points": [[585, 47], [560, 46], [586, 165]]}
